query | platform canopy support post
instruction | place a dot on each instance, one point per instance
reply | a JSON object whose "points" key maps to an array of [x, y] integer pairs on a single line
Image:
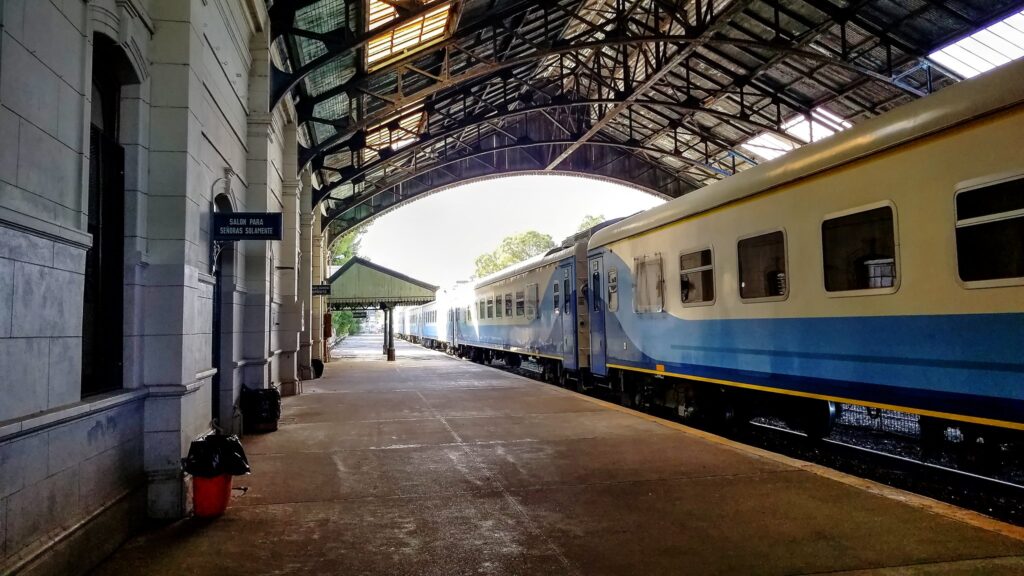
{"points": [[390, 337]]}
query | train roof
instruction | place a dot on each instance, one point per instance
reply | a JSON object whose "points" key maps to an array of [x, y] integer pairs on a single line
{"points": [[995, 90], [525, 266]]}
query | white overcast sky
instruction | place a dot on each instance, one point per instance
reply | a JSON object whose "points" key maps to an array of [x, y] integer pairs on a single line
{"points": [[436, 239]]}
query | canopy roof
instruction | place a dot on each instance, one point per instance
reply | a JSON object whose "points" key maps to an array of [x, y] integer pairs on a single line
{"points": [[397, 98], [360, 283]]}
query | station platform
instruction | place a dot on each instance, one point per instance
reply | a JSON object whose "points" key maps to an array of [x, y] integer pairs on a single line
{"points": [[433, 465]]}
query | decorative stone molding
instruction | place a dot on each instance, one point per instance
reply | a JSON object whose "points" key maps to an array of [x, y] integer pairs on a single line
{"points": [[127, 23]]}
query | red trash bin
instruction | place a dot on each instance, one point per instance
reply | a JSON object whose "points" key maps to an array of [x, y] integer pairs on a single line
{"points": [[210, 495]]}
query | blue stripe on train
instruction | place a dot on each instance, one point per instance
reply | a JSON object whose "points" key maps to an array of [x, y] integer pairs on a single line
{"points": [[962, 364]]}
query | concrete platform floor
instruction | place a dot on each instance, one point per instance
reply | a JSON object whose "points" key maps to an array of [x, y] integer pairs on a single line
{"points": [[431, 465]]}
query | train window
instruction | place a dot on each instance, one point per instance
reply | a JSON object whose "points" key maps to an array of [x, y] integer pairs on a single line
{"points": [[557, 304], [649, 292], [697, 277], [483, 309], [490, 307], [497, 306], [566, 295], [762, 266], [520, 303], [859, 250], [508, 305], [990, 232], [531, 301], [613, 289]]}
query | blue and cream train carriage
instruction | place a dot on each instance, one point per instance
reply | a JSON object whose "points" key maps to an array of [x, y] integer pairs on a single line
{"points": [[535, 309], [883, 266]]}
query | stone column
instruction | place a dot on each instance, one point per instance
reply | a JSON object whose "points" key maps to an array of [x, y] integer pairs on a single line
{"points": [[317, 341], [290, 327], [260, 311], [176, 283], [305, 280]]}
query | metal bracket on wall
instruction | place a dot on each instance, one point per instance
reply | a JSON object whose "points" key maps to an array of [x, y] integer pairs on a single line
{"points": [[216, 246]]}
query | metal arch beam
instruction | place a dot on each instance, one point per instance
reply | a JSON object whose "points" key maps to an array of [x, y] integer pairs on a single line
{"points": [[412, 174], [678, 58], [337, 42], [783, 49], [609, 163], [476, 121]]}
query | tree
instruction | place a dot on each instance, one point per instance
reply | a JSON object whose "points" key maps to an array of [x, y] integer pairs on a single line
{"points": [[345, 323], [347, 246], [590, 221], [512, 250]]}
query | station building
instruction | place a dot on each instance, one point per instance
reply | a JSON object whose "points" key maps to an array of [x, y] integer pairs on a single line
{"points": [[118, 349], [126, 126]]}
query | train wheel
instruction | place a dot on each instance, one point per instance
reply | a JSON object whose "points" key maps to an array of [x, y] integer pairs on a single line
{"points": [[933, 435], [580, 385], [819, 419], [981, 448]]}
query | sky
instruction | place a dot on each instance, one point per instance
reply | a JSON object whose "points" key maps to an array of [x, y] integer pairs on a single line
{"points": [[436, 239]]}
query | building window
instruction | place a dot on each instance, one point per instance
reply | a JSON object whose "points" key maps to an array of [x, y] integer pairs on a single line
{"points": [[648, 294], [490, 307], [531, 301], [762, 266], [990, 232], [859, 250], [508, 305], [520, 303], [613, 290], [555, 291], [697, 277]]}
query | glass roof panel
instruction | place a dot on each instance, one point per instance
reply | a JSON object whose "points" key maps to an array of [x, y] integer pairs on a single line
{"points": [[416, 34], [380, 14], [330, 75], [321, 17], [821, 124], [985, 49], [396, 136]]}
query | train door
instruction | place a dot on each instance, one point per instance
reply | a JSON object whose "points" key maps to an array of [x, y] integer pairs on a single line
{"points": [[568, 316], [598, 349], [450, 325]]}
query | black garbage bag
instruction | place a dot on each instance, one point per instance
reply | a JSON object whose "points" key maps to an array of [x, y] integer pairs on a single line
{"points": [[214, 455], [261, 409]]}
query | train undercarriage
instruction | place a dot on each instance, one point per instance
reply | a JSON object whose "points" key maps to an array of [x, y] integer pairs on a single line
{"points": [[727, 409]]}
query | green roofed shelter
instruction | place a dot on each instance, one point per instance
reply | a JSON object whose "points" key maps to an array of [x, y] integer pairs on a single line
{"points": [[360, 283]]}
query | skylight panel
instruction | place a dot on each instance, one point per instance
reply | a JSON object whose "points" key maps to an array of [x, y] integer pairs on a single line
{"points": [[396, 133], [984, 50], [380, 14], [768, 146], [418, 33], [821, 124]]}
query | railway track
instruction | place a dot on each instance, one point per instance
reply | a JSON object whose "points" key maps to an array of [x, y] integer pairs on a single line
{"points": [[1000, 499]]}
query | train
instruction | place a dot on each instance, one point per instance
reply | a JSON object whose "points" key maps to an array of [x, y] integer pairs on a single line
{"points": [[881, 267]]}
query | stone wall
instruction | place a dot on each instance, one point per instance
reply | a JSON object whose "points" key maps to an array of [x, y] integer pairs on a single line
{"points": [[79, 474]]}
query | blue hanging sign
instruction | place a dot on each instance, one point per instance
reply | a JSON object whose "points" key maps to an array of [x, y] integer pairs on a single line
{"points": [[233, 226]]}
